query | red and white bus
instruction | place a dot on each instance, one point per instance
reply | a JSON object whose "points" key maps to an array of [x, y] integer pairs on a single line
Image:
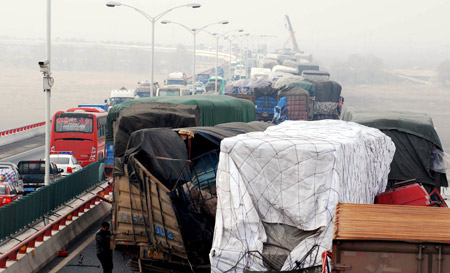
{"points": [[80, 130]]}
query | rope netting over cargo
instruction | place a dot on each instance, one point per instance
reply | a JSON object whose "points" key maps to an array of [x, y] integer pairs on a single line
{"points": [[277, 191]]}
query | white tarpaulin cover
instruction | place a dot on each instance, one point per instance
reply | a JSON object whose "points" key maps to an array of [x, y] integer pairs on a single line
{"points": [[278, 189]]}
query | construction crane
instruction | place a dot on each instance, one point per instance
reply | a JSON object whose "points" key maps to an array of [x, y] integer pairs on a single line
{"points": [[291, 30]]}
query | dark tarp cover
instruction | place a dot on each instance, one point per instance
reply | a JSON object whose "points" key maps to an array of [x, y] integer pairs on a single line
{"points": [[148, 146], [289, 81], [161, 151], [266, 91], [292, 91], [302, 67], [413, 135], [290, 63], [217, 133], [164, 155], [152, 115], [214, 109], [326, 90]]}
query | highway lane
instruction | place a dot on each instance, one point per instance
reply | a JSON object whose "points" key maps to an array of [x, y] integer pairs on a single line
{"points": [[27, 149], [33, 149], [83, 258]]}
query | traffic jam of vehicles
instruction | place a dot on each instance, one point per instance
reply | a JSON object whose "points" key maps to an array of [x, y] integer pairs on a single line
{"points": [[259, 170]]}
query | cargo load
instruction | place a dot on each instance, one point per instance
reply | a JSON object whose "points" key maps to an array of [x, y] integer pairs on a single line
{"points": [[152, 115], [172, 112], [277, 191], [165, 199], [328, 100], [418, 144], [388, 238], [290, 81], [302, 67], [266, 98], [214, 109]]}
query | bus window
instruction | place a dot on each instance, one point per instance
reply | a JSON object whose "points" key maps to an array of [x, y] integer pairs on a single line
{"points": [[73, 123]]}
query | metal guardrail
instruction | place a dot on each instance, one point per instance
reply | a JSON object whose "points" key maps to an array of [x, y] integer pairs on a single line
{"points": [[26, 210], [47, 231], [21, 129]]}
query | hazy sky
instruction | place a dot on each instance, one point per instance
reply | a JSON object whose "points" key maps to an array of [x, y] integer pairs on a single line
{"points": [[342, 26]]}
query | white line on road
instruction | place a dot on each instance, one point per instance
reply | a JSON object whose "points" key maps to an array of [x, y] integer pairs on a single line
{"points": [[19, 154], [72, 255]]}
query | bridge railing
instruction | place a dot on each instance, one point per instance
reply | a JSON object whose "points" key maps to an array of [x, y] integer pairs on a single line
{"points": [[19, 214], [21, 129]]}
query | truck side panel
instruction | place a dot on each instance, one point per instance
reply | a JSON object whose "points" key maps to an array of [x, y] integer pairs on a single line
{"points": [[390, 256], [146, 218]]}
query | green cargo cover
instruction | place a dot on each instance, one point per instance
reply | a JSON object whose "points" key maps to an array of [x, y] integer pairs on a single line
{"points": [[214, 109], [414, 137]]}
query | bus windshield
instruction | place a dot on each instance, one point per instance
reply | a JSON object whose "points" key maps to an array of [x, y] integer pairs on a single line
{"points": [[72, 122]]}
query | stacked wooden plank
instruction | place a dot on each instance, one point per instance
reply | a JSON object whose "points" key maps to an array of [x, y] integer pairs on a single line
{"points": [[392, 223]]}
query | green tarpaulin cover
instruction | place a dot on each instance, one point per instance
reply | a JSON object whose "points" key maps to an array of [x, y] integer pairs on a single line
{"points": [[414, 137], [214, 109]]}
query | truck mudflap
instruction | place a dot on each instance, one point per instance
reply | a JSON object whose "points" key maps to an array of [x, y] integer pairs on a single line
{"points": [[146, 218]]}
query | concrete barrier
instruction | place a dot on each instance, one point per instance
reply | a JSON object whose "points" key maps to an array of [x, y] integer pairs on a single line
{"points": [[39, 248], [38, 257]]}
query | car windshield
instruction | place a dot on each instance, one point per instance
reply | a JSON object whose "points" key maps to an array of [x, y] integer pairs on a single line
{"points": [[2, 189], [60, 160]]}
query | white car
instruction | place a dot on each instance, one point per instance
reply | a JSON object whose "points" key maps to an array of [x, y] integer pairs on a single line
{"points": [[66, 162]]}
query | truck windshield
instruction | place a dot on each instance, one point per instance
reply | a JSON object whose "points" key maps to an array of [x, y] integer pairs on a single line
{"points": [[169, 92], [117, 100], [2, 189], [143, 94], [72, 122], [175, 82]]}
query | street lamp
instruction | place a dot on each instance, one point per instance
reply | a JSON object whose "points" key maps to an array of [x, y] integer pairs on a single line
{"points": [[194, 32], [241, 47], [217, 36], [152, 20]]}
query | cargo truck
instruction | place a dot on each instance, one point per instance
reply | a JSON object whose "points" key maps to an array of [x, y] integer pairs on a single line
{"points": [[165, 198], [391, 238]]}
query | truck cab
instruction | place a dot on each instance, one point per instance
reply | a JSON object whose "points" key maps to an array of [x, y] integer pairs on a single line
{"points": [[239, 72], [120, 95], [176, 78], [173, 90]]}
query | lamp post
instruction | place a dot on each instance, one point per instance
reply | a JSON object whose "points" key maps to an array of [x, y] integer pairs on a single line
{"points": [[217, 36], [152, 20], [240, 38], [47, 86], [194, 32]]}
